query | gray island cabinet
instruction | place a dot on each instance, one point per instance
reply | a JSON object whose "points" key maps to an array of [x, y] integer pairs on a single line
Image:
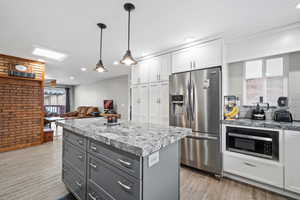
{"points": [[124, 162]]}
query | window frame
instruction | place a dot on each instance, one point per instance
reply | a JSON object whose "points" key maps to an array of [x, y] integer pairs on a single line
{"points": [[264, 77]]}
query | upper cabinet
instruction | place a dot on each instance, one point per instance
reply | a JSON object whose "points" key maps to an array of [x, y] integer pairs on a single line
{"points": [[152, 70], [198, 57]]}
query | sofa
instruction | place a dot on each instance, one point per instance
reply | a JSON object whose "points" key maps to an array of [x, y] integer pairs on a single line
{"points": [[81, 112]]}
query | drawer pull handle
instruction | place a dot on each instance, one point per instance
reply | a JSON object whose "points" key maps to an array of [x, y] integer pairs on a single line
{"points": [[124, 186], [249, 164], [78, 184], [93, 165], [124, 162], [93, 148], [92, 197], [80, 142], [80, 157]]}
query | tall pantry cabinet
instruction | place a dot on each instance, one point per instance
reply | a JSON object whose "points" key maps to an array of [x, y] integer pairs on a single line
{"points": [[150, 90]]}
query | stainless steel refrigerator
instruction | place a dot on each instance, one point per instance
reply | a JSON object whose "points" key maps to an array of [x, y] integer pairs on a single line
{"points": [[195, 102]]}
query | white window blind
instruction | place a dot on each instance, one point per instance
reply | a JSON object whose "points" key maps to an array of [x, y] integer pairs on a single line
{"points": [[254, 69], [274, 67]]}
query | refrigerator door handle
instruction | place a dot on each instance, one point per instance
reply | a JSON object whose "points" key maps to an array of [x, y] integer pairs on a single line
{"points": [[193, 108]]}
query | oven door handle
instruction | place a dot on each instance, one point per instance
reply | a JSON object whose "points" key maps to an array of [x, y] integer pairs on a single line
{"points": [[251, 137]]}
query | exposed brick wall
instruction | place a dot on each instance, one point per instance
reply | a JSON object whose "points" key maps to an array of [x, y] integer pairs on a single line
{"points": [[21, 113]]}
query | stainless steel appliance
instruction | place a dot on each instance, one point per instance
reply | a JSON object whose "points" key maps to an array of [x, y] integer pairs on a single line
{"points": [[259, 143], [195, 102]]}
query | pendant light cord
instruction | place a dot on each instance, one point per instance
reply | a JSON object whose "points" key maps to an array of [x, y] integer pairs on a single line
{"points": [[101, 44], [128, 30]]}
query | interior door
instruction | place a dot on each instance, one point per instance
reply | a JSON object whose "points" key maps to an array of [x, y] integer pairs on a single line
{"points": [[206, 100], [154, 108], [164, 103], [180, 112]]}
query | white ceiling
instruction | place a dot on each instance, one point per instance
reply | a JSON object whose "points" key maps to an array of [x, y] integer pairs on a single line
{"points": [[69, 26]]}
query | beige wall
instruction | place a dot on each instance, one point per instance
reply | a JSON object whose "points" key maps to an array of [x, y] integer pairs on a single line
{"points": [[93, 94]]}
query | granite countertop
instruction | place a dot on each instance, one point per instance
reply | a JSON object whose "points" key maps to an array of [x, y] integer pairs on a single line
{"points": [[294, 126], [137, 138]]}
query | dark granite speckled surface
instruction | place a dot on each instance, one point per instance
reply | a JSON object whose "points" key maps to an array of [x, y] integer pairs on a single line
{"points": [[137, 138], [295, 126]]}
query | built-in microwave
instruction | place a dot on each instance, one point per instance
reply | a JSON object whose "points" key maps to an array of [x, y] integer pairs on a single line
{"points": [[255, 142]]}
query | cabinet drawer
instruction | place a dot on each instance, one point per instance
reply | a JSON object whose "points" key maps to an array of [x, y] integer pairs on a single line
{"points": [[123, 160], [74, 156], [96, 193], [112, 180], [264, 172], [74, 182], [75, 139]]}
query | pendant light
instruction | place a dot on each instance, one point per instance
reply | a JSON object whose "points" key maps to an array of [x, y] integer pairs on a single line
{"points": [[99, 66], [127, 58]]}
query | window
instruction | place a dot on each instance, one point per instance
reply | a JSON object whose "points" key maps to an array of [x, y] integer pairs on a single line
{"points": [[266, 78]]}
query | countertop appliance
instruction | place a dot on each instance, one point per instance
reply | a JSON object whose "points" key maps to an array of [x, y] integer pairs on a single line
{"points": [[195, 102], [283, 116], [254, 142]]}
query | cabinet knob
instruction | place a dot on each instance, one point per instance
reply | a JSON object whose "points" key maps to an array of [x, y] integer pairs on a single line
{"points": [[93, 148], [93, 165], [124, 162], [249, 164], [91, 196], [80, 157], [124, 185], [80, 142], [78, 184]]}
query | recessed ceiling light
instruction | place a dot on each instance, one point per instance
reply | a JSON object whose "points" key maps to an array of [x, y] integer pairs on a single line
{"points": [[72, 77], [83, 69], [298, 6], [189, 39], [49, 54], [116, 63]]}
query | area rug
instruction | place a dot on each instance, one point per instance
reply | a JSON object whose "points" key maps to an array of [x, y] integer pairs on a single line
{"points": [[68, 197]]}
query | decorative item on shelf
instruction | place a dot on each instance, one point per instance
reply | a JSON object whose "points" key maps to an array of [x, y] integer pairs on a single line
{"points": [[127, 58], [231, 107], [20, 71], [53, 83], [100, 67], [112, 121]]}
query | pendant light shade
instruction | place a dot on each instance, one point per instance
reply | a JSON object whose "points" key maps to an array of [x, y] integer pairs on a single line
{"points": [[127, 58], [99, 66]]}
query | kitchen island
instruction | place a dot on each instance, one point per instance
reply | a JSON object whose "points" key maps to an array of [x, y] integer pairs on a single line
{"points": [[129, 161]]}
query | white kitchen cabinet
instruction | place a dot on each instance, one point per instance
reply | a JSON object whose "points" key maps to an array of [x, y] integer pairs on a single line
{"points": [[182, 60], [260, 170], [140, 103], [159, 103], [159, 68], [198, 57], [292, 160], [207, 55], [139, 73]]}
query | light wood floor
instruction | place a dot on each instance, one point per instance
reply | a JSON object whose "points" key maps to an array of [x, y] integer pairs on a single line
{"points": [[35, 174]]}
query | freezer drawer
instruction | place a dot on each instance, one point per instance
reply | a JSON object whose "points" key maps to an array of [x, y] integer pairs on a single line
{"points": [[202, 152]]}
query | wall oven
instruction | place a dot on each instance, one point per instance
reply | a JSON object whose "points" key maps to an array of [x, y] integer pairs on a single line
{"points": [[259, 143]]}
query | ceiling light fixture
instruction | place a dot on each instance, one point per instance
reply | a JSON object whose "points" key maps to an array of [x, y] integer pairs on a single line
{"points": [[49, 54], [72, 77], [83, 69], [127, 58], [116, 62], [99, 66], [298, 6]]}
